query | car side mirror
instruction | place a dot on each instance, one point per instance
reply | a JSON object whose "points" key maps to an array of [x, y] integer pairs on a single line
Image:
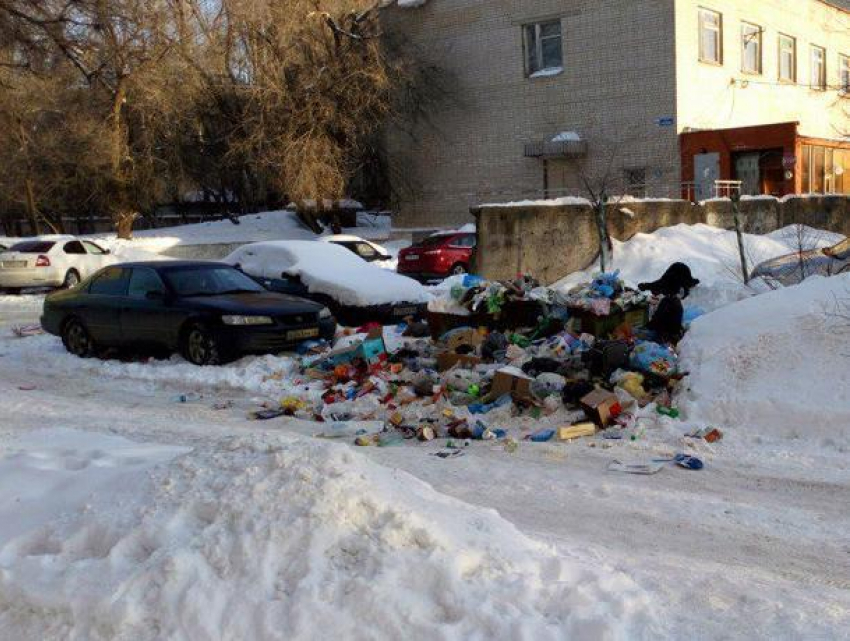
{"points": [[107, 251]]}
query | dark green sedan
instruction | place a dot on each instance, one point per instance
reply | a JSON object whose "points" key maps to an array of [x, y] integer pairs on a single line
{"points": [[209, 312]]}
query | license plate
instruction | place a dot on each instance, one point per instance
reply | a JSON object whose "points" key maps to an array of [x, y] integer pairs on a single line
{"points": [[404, 311], [14, 263], [298, 334], [412, 257]]}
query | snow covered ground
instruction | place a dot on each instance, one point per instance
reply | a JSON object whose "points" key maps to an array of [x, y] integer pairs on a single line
{"points": [[710, 252], [213, 526]]}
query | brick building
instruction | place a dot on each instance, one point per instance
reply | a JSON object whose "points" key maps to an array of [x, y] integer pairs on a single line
{"points": [[658, 97]]}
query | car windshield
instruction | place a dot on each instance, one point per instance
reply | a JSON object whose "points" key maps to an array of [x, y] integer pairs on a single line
{"points": [[209, 281], [33, 247], [434, 241]]}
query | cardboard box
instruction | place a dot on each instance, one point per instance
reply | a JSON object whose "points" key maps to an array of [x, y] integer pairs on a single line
{"points": [[569, 432], [447, 360], [511, 380], [601, 407], [462, 337], [371, 349]]}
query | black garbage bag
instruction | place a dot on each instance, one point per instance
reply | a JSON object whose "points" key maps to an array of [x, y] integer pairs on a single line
{"points": [[676, 279], [574, 391], [537, 366], [494, 347]]}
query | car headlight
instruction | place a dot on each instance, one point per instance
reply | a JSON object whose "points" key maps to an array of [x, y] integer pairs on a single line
{"points": [[325, 313], [247, 320]]}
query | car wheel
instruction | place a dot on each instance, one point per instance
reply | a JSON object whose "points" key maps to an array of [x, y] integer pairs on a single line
{"points": [[458, 268], [72, 279], [200, 347], [77, 340]]}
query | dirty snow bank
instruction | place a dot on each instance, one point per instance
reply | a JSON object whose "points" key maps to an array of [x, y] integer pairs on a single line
{"points": [[775, 365], [280, 538], [710, 252]]}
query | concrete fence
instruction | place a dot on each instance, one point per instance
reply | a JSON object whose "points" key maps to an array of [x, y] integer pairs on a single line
{"points": [[551, 241]]}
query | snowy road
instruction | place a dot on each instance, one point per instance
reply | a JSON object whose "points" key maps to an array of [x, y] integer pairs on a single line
{"points": [[755, 546]]}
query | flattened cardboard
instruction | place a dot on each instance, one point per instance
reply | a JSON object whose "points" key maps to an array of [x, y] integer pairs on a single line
{"points": [[447, 360]]}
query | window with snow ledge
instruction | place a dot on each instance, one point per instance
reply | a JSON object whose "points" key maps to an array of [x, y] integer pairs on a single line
{"points": [[542, 43]]}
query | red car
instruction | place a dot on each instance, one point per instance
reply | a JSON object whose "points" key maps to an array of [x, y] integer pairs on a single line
{"points": [[438, 256]]}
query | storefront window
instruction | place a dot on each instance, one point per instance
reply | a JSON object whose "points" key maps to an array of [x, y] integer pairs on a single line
{"points": [[825, 170]]}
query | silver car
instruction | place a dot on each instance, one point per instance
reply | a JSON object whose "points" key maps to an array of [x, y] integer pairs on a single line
{"points": [[50, 261], [792, 269]]}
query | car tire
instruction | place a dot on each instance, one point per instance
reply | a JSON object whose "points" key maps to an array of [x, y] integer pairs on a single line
{"points": [[200, 347], [72, 279], [457, 269], [77, 340]]}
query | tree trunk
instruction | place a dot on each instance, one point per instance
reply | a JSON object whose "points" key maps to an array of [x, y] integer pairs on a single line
{"points": [[736, 216], [32, 211], [124, 223], [602, 229]]}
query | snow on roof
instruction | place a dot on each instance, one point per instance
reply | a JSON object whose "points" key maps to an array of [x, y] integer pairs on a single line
{"points": [[328, 269], [551, 202]]}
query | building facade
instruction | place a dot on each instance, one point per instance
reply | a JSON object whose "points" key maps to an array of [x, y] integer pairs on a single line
{"points": [[547, 98]]}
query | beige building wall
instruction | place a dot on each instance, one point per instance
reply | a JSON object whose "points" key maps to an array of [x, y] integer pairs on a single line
{"points": [[618, 81], [720, 97]]}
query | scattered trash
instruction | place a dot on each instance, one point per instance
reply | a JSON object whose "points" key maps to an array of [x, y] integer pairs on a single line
{"points": [[448, 454], [506, 362], [635, 468], [708, 434], [24, 331], [570, 432], [189, 397]]}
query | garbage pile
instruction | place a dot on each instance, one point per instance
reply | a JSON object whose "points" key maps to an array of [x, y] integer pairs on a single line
{"points": [[544, 380]]}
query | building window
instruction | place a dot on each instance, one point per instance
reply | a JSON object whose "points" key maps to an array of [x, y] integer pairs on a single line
{"points": [[710, 36], [635, 180], [787, 58], [825, 170], [750, 48], [543, 48], [844, 66], [818, 68]]}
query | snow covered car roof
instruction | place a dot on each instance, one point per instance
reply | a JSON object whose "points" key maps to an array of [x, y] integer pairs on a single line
{"points": [[326, 268]]}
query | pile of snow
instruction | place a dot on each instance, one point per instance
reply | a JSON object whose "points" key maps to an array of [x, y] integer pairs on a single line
{"points": [[549, 202], [777, 364], [265, 537], [328, 269], [710, 252]]}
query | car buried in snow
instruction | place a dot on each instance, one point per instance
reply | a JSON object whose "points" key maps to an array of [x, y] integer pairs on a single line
{"points": [[792, 269], [356, 291], [50, 261], [209, 312]]}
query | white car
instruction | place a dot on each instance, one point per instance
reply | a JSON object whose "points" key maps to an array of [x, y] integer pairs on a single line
{"points": [[366, 249], [50, 261]]}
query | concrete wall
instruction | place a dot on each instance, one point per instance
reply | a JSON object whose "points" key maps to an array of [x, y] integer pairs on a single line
{"points": [[718, 97], [618, 79], [551, 242]]}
